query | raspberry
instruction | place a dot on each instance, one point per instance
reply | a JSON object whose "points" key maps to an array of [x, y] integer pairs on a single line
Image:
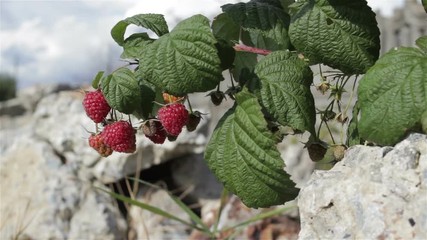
{"points": [[149, 128], [158, 136], [96, 106], [193, 120], [216, 97], [97, 143], [120, 136], [339, 152], [173, 117], [316, 150]]}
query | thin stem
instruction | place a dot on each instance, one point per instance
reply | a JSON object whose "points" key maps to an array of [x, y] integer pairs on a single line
{"points": [[189, 105], [120, 189], [318, 130], [137, 174], [224, 197], [231, 78], [245, 48], [330, 106], [330, 132], [129, 189], [264, 215], [320, 72]]}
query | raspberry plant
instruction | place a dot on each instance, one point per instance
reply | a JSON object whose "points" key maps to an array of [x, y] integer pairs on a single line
{"points": [[268, 46]]}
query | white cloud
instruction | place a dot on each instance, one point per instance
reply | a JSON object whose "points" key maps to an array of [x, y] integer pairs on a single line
{"points": [[386, 7], [174, 10], [68, 49], [69, 41]]}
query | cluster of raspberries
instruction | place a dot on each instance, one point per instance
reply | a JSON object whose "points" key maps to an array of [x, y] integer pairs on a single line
{"points": [[119, 135]]}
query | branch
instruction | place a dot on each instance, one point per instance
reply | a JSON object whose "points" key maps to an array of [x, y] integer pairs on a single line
{"points": [[244, 48]]}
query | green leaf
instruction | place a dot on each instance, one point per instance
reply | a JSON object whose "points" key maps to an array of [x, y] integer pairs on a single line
{"points": [[97, 79], [341, 34], [393, 95], [424, 122], [265, 20], [148, 97], [422, 43], [223, 27], [242, 153], [244, 65], [353, 137], [424, 2], [153, 22], [183, 61], [285, 92], [134, 44], [226, 31], [122, 91]]}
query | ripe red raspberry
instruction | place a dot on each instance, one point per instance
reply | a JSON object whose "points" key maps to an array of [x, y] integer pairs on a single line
{"points": [[97, 143], [158, 134], [173, 117], [96, 106], [120, 136]]}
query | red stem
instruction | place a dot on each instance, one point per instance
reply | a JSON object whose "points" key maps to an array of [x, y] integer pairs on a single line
{"points": [[244, 48]]}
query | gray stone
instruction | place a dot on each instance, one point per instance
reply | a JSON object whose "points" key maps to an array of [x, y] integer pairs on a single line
{"points": [[42, 197], [146, 225], [119, 165], [191, 173], [373, 193]]}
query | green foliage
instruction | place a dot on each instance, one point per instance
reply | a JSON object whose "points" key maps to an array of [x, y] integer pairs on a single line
{"points": [[265, 21], [285, 82], [183, 61], [393, 94], [340, 34], [122, 91], [153, 22], [267, 47], [7, 87], [148, 97], [424, 2], [353, 137], [134, 44], [243, 155], [97, 79]]}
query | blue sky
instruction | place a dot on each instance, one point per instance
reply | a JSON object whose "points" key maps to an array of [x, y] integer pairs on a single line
{"points": [[68, 41]]}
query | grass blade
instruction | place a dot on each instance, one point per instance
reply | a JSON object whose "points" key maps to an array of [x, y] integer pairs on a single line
{"points": [[150, 208], [182, 205], [262, 216]]}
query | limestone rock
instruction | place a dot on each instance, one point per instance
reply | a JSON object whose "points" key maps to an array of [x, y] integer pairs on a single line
{"points": [[192, 173], [373, 193], [43, 198], [60, 120], [144, 224]]}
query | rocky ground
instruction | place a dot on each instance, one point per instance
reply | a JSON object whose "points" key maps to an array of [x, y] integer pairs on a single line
{"points": [[50, 182]]}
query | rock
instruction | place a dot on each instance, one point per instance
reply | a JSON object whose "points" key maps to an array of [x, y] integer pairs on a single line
{"points": [[12, 108], [60, 120], [297, 161], [42, 196], [232, 222], [119, 165], [144, 224], [85, 225], [373, 193], [191, 172]]}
